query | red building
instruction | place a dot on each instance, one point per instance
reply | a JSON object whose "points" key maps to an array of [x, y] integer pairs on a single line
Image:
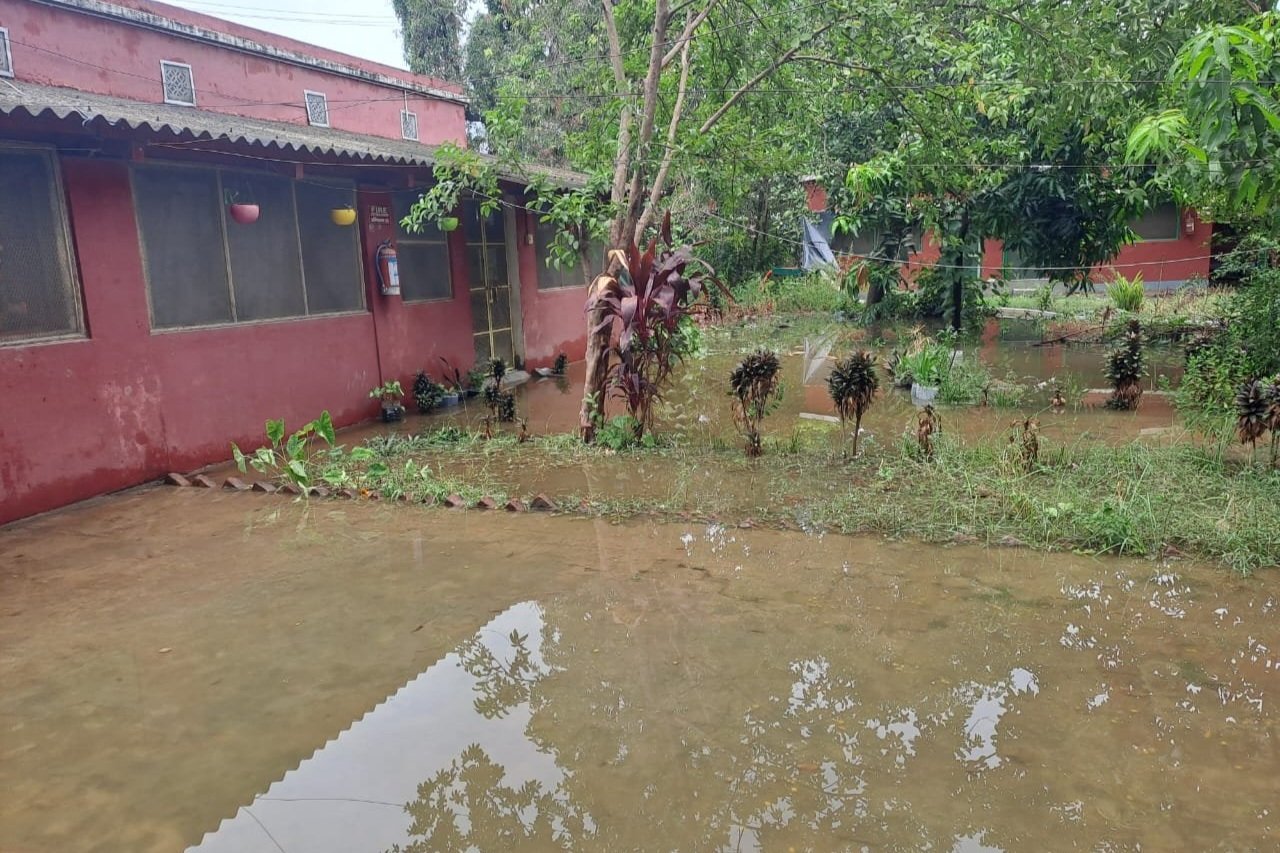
{"points": [[1173, 247], [143, 328]]}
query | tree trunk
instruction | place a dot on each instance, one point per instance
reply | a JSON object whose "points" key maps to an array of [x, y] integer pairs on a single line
{"points": [[957, 280]]}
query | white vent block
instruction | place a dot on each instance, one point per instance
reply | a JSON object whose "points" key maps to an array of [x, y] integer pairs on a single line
{"points": [[179, 83], [317, 108], [409, 125]]}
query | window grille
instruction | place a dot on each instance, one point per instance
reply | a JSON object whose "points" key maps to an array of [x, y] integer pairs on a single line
{"points": [[179, 84], [409, 125], [6, 57], [317, 109], [203, 268], [39, 293], [424, 256]]}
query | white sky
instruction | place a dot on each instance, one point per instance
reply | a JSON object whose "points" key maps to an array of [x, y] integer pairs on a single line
{"points": [[364, 28]]}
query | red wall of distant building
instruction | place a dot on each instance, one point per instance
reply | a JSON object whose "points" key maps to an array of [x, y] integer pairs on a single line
{"points": [[59, 48]]}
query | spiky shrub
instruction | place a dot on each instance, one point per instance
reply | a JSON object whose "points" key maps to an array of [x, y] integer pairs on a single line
{"points": [[1253, 411], [651, 298], [753, 384], [1126, 366], [928, 422], [853, 384]]}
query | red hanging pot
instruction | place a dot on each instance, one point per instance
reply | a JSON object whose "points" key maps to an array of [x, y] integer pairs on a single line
{"points": [[245, 214]]}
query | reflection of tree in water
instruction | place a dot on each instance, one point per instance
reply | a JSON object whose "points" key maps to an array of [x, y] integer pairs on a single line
{"points": [[501, 685], [467, 807]]}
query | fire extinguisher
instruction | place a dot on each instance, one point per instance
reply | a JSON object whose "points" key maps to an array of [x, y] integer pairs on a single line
{"points": [[388, 269]]}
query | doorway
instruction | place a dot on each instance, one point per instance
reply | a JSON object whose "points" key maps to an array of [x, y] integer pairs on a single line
{"points": [[489, 284]]}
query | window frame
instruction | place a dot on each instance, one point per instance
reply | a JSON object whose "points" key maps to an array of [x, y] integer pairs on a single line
{"points": [[66, 254], [401, 240], [6, 49], [219, 170], [405, 115], [1177, 225], [164, 90], [307, 95]]}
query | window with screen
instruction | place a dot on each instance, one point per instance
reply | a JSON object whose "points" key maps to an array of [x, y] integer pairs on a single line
{"points": [[1016, 269], [39, 292], [204, 268], [423, 256], [549, 276], [1159, 223]]}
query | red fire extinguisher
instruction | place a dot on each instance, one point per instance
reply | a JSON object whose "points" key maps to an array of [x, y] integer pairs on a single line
{"points": [[388, 269]]}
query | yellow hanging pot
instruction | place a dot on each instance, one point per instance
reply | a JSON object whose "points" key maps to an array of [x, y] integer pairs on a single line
{"points": [[343, 216]]}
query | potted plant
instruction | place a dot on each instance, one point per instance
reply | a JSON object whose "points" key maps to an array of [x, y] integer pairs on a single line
{"points": [[343, 216], [390, 393], [242, 212], [476, 378], [926, 367], [427, 394]]}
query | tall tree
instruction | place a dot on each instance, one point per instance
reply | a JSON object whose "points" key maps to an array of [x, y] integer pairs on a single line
{"points": [[432, 36]]}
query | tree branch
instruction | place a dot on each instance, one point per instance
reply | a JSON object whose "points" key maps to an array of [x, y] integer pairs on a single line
{"points": [[626, 221], [755, 81], [660, 180], [690, 26], [622, 164]]}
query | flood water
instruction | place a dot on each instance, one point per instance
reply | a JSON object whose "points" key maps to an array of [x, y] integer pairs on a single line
{"points": [[188, 669]]}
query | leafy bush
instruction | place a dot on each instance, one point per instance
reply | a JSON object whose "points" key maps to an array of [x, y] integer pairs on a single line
{"points": [[620, 433], [926, 366], [288, 458], [1127, 293], [753, 384]]}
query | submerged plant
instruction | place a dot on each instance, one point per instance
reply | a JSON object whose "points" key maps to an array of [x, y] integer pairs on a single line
{"points": [[853, 384], [1253, 412], [753, 384], [651, 298], [1125, 368], [1026, 437], [928, 421], [502, 404], [561, 362], [287, 457], [426, 394]]}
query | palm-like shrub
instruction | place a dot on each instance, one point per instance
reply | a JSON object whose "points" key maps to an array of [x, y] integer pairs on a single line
{"points": [[853, 384], [1253, 411], [1126, 366], [753, 384]]}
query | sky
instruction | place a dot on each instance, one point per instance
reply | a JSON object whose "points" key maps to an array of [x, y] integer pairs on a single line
{"points": [[364, 28]]}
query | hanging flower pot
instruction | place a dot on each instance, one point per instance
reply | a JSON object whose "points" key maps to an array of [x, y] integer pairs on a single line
{"points": [[343, 216], [449, 223], [245, 214]]}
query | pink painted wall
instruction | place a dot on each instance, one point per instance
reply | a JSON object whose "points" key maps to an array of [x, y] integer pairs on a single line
{"points": [[58, 47], [555, 321], [126, 405]]}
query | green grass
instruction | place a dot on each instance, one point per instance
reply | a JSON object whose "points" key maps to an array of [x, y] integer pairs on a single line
{"points": [[808, 294]]}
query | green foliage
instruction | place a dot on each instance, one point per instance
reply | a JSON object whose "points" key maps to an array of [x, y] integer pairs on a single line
{"points": [[389, 391], [927, 365], [432, 31], [1127, 293], [1221, 129], [621, 432], [287, 457], [426, 393], [812, 293]]}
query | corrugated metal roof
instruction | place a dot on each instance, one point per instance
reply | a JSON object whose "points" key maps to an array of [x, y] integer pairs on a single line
{"points": [[187, 123]]}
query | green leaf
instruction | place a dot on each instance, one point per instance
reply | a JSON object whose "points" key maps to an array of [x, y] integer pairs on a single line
{"points": [[275, 431], [324, 427], [240, 458], [297, 471], [296, 446]]}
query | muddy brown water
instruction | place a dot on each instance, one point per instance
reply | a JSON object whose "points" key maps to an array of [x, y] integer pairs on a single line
{"points": [[186, 669]]}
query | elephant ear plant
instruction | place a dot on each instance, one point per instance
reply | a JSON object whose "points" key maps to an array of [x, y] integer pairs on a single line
{"points": [[853, 384], [286, 457], [754, 386], [652, 297]]}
